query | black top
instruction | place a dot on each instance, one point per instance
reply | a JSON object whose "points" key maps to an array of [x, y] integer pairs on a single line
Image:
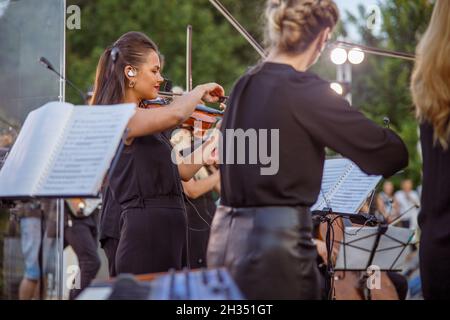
{"points": [[310, 117], [434, 217], [144, 171], [109, 216]]}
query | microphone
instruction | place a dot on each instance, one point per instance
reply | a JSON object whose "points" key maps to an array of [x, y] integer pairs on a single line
{"points": [[47, 64]]}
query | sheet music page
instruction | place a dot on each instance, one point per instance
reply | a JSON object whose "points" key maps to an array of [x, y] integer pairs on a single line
{"points": [[333, 171], [32, 150], [353, 190], [344, 186], [88, 147]]}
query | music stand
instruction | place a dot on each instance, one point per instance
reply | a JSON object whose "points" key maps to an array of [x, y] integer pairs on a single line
{"points": [[328, 216], [383, 246], [72, 142]]}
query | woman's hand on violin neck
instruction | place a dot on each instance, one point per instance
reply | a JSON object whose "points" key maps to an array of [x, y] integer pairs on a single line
{"points": [[211, 92], [185, 105]]}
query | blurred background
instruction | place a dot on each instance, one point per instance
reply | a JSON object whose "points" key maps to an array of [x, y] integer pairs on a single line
{"points": [[380, 85], [32, 28]]}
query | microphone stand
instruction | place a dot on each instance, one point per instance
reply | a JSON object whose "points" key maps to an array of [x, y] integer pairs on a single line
{"points": [[50, 67], [60, 202]]}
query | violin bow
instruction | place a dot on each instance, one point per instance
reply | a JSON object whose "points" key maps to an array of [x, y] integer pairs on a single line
{"points": [[375, 51], [260, 50], [239, 28], [189, 58], [165, 94]]}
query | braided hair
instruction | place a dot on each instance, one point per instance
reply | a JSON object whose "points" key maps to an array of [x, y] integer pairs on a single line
{"points": [[292, 25]]}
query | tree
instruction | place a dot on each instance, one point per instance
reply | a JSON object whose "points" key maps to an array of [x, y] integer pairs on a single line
{"points": [[219, 53], [380, 84]]}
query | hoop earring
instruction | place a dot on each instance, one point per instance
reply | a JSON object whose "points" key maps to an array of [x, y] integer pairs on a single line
{"points": [[131, 84]]}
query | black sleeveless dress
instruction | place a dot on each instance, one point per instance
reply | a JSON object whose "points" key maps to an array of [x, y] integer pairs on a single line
{"points": [[151, 220]]}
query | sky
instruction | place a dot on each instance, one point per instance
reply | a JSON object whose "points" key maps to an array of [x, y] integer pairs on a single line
{"points": [[352, 6]]}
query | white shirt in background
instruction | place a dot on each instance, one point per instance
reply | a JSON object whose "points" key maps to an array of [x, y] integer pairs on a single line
{"points": [[408, 201]]}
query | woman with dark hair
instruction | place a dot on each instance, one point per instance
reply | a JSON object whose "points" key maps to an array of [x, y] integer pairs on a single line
{"points": [[143, 222], [262, 233], [430, 86]]}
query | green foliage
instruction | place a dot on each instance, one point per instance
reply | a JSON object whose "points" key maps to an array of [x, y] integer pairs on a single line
{"points": [[220, 54], [380, 84]]}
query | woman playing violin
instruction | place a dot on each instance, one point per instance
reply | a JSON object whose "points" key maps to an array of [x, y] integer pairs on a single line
{"points": [[144, 188]]}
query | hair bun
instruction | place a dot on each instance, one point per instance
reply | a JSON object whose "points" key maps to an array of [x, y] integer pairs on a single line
{"points": [[292, 25]]}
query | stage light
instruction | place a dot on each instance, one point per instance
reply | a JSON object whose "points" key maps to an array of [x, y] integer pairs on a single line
{"points": [[356, 56], [337, 87], [338, 56]]}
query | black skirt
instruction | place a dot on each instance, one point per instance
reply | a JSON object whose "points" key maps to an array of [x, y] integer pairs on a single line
{"points": [[267, 250]]}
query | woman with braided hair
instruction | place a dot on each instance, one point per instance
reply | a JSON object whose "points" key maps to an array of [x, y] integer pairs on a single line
{"points": [[262, 231]]}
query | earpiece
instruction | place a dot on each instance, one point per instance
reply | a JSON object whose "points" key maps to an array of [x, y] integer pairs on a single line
{"points": [[131, 73]]}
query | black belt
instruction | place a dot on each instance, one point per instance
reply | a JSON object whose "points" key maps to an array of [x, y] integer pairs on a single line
{"points": [[275, 217]]}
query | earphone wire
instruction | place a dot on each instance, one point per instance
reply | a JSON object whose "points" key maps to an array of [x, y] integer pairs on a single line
{"points": [[167, 141]]}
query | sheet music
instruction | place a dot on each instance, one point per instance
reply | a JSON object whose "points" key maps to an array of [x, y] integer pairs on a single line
{"points": [[390, 254], [32, 149], [87, 150], [344, 186], [333, 170]]}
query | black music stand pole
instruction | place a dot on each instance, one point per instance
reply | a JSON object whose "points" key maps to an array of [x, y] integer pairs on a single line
{"points": [[382, 228]]}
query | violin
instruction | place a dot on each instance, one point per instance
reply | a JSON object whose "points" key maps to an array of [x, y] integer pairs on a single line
{"points": [[202, 119]]}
